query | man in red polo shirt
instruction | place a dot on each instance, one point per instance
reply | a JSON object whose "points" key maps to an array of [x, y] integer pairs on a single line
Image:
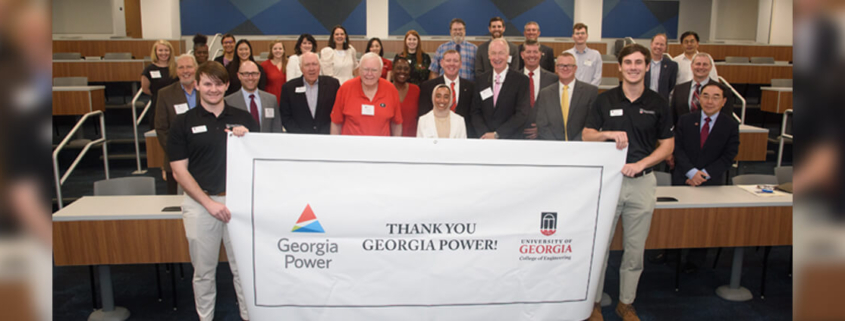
{"points": [[367, 104]]}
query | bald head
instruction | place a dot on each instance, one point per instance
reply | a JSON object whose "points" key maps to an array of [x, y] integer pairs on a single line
{"points": [[309, 63]]}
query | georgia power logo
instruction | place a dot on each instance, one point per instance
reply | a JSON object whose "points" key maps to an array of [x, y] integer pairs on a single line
{"points": [[548, 223], [308, 222]]}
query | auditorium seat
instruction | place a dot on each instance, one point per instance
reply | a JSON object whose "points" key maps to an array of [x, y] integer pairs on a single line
{"points": [[609, 81], [117, 56], [608, 58], [736, 60], [67, 56], [782, 83], [762, 60], [70, 81]]}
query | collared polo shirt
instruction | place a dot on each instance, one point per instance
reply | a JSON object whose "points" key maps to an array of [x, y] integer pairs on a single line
{"points": [[349, 109], [200, 137], [645, 120]]}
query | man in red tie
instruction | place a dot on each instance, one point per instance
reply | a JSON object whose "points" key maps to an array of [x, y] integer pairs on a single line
{"points": [[262, 105], [686, 97], [538, 78], [462, 89], [706, 141]]}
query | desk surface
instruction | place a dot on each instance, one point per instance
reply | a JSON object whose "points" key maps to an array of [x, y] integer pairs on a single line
{"points": [[150, 133], [789, 89], [77, 88], [743, 128], [102, 208], [101, 60]]}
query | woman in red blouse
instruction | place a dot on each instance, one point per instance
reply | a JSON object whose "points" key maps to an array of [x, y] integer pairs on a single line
{"points": [[275, 69], [375, 46], [409, 96]]}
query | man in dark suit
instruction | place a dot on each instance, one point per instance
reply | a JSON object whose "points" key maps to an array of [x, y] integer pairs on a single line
{"points": [[685, 99], [500, 104], [706, 141], [260, 104], [538, 78], [307, 101], [663, 72], [497, 31], [547, 60], [463, 89], [550, 108], [173, 100]]}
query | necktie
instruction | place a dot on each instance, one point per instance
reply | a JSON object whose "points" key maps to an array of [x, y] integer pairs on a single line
{"points": [[458, 49], [696, 101], [705, 131], [496, 86], [454, 101], [253, 109], [531, 87], [564, 109]]}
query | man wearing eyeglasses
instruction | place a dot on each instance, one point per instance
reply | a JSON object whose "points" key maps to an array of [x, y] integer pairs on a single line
{"points": [[260, 104], [367, 105], [562, 110]]}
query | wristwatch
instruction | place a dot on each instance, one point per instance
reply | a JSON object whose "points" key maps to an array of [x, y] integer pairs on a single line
{"points": [[496, 135]]}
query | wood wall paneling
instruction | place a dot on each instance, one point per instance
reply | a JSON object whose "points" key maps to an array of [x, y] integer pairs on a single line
{"points": [[77, 102], [138, 48]]}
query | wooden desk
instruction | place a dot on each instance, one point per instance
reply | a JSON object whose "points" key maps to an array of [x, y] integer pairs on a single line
{"points": [[720, 51], [734, 73], [155, 154], [100, 70], [753, 73], [78, 100], [139, 48], [98, 230], [776, 100], [752, 143]]}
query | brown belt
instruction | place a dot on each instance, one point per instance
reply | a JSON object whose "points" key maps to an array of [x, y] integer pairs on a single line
{"points": [[218, 194]]}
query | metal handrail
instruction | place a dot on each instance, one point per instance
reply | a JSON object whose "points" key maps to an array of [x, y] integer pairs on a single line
{"points": [[135, 122], [214, 40], [215, 53], [66, 140], [783, 135], [741, 119]]}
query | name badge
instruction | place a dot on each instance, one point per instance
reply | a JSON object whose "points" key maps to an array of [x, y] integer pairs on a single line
{"points": [[486, 93], [368, 110], [300, 90], [588, 63], [269, 113], [510, 58], [615, 112], [181, 108], [199, 129], [155, 74], [649, 112]]}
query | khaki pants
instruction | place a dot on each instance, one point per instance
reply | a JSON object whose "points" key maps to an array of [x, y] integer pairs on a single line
{"points": [[636, 205], [204, 233]]}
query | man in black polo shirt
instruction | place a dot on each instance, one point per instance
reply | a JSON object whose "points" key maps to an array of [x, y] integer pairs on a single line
{"points": [[639, 119], [197, 149]]}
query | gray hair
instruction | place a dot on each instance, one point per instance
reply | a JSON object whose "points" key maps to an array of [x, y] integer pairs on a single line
{"points": [[501, 40], [703, 54], [185, 55], [302, 58], [372, 55]]}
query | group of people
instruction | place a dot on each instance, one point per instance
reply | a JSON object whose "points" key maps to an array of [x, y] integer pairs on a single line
{"points": [[493, 91]]}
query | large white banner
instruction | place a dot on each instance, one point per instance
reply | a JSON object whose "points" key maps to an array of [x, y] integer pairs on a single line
{"points": [[374, 228]]}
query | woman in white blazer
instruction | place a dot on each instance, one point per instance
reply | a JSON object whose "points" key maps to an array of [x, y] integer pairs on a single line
{"points": [[441, 121]]}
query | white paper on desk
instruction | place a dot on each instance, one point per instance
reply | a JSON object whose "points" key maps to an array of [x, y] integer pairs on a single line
{"points": [[753, 189], [346, 199]]}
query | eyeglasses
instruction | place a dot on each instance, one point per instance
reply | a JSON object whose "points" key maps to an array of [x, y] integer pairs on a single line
{"points": [[563, 66], [250, 74]]}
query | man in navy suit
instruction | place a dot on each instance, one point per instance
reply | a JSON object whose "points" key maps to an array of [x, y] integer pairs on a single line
{"points": [[307, 101], [462, 89], [663, 72], [706, 141], [500, 104]]}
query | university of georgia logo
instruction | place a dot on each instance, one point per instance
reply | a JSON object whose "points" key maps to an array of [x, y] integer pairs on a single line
{"points": [[308, 222], [548, 223]]}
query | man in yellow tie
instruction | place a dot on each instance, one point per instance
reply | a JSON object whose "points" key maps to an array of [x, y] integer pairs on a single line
{"points": [[562, 110]]}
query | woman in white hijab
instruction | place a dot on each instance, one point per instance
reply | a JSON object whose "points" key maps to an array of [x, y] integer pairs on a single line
{"points": [[441, 122]]}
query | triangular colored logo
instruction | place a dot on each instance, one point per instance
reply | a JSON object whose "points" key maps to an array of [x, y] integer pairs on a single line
{"points": [[308, 222]]}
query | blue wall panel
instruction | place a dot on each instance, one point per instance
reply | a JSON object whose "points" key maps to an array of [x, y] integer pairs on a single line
{"points": [[639, 18], [272, 17]]}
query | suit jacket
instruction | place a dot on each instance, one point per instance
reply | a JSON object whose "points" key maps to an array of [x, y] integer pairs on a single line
{"points": [[511, 112], [296, 116], [546, 79], [549, 118], [168, 98], [467, 92], [668, 76], [482, 59], [679, 104], [547, 61], [718, 153], [426, 128], [268, 101]]}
